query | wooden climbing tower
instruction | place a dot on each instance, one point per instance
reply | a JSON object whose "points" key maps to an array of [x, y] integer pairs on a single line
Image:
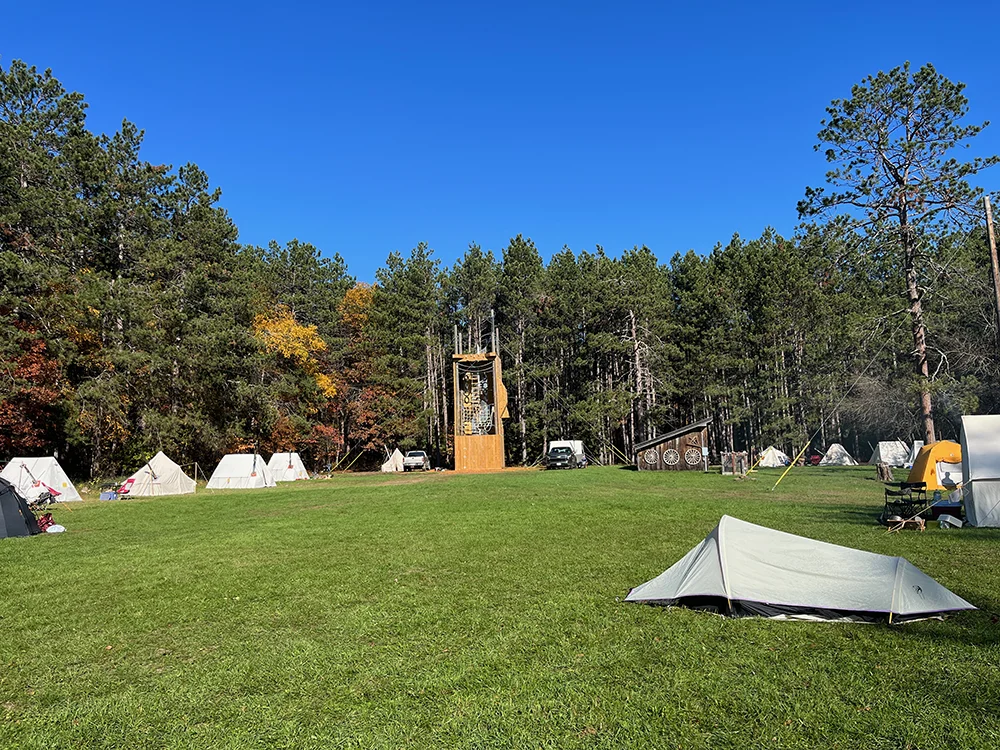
{"points": [[480, 408]]}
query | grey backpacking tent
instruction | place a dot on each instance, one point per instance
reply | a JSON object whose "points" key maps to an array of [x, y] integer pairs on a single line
{"points": [[745, 570], [16, 519]]}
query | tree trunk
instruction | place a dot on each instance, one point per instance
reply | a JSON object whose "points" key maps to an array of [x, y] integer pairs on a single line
{"points": [[917, 325]]}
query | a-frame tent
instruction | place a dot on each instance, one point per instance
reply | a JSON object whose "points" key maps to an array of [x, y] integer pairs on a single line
{"points": [[244, 471], [394, 462], [158, 476], [16, 518], [837, 455], [745, 570], [772, 458], [287, 467], [35, 476], [892, 452]]}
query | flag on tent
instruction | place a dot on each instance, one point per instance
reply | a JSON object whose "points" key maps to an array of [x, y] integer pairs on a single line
{"points": [[744, 570], [287, 467], [34, 477], [244, 471], [158, 476]]}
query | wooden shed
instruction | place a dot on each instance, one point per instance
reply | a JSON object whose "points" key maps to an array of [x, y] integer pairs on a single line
{"points": [[680, 450]]}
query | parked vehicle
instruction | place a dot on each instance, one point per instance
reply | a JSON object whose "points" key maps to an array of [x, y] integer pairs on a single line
{"points": [[566, 454], [416, 460]]}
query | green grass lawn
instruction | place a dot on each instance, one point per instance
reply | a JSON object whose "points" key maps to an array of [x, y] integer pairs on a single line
{"points": [[473, 611]]}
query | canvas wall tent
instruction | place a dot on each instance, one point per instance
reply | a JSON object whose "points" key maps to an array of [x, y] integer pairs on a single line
{"points": [[287, 467], [772, 458], [16, 519], [939, 465], [35, 476], [892, 452], [981, 469], [394, 463], [244, 471], [911, 457], [158, 476], [745, 570], [837, 455]]}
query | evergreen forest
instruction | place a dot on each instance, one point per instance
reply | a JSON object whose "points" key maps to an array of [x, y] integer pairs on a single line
{"points": [[132, 318]]}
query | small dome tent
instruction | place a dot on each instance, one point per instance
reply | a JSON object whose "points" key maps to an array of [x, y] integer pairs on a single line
{"points": [[745, 570], [939, 465], [158, 476], [837, 455], [16, 519], [245, 471], [33, 477], [287, 467]]}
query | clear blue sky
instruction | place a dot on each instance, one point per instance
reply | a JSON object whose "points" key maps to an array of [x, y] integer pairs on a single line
{"points": [[367, 127]]}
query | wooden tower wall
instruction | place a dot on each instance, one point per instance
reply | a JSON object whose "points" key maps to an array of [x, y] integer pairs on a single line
{"points": [[474, 452]]}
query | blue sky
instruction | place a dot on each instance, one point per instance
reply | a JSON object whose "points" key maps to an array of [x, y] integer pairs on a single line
{"points": [[369, 127]]}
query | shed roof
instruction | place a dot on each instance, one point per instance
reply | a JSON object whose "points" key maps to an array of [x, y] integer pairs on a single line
{"points": [[699, 425]]}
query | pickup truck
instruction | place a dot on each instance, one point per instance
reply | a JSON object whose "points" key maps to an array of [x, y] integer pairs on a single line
{"points": [[565, 454], [414, 460]]}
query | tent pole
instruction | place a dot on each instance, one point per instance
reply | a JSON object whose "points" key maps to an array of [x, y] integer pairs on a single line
{"points": [[794, 461]]}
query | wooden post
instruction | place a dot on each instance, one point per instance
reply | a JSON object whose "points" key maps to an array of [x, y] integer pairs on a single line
{"points": [[993, 257]]}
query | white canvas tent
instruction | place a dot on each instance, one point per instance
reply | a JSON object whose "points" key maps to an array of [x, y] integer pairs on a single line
{"points": [[772, 458], [837, 455], [744, 570], [395, 462], [35, 476], [914, 452], [158, 476], [287, 467], [981, 469], [244, 471], [892, 452]]}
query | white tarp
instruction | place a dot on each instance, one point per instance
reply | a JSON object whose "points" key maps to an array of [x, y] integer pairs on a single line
{"points": [[914, 452], [35, 476], [892, 452], [837, 455], [772, 458], [395, 462], [158, 476], [981, 469], [240, 471], [743, 569], [287, 467]]}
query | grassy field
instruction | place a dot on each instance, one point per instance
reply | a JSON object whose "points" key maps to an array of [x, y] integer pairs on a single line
{"points": [[473, 612]]}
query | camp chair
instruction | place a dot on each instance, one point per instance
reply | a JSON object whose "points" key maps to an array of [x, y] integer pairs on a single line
{"points": [[902, 503]]}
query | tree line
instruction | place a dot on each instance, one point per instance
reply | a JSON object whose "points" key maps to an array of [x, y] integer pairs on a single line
{"points": [[133, 320]]}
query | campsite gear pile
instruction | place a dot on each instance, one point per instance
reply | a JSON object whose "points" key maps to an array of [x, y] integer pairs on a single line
{"points": [[744, 570]]}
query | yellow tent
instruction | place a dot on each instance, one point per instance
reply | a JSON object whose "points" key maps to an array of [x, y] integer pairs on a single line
{"points": [[926, 469]]}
